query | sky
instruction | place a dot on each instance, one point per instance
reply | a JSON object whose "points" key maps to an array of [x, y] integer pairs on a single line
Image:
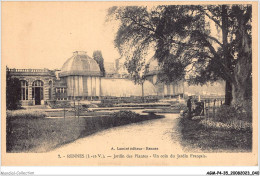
{"points": [[45, 34]]}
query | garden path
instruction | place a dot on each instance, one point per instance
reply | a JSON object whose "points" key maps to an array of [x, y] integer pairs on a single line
{"points": [[160, 133]]}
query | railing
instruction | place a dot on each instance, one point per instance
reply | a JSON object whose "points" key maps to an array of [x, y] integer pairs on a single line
{"points": [[207, 107], [28, 70], [211, 106]]}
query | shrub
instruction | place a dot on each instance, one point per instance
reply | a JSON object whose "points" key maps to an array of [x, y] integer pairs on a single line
{"points": [[59, 104], [102, 105], [228, 113], [129, 114], [245, 110], [124, 117], [25, 114], [225, 113]]}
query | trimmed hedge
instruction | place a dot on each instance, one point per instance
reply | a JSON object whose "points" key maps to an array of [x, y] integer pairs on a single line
{"points": [[25, 114], [55, 104]]}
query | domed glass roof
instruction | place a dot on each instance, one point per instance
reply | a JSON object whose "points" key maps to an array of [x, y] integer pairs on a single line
{"points": [[80, 64]]}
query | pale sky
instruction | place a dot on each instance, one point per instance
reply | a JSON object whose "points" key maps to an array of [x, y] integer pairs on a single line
{"points": [[45, 34]]}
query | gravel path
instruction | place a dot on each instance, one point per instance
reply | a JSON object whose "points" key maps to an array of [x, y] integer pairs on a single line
{"points": [[160, 133]]}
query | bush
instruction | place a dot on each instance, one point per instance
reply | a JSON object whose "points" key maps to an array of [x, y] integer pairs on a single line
{"points": [[245, 110], [104, 105], [124, 117], [59, 104], [25, 114], [225, 113], [229, 113]]}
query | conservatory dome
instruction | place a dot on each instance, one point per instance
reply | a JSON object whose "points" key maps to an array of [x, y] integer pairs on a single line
{"points": [[80, 64]]}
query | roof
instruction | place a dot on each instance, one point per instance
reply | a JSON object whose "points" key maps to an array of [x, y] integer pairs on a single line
{"points": [[80, 64]]}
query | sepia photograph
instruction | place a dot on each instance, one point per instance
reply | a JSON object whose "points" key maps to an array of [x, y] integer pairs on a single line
{"points": [[129, 84]]}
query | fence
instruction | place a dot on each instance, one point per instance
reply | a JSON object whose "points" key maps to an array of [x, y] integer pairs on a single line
{"points": [[210, 106]]}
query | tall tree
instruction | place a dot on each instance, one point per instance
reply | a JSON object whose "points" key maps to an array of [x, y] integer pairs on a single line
{"points": [[183, 37], [228, 20], [97, 56]]}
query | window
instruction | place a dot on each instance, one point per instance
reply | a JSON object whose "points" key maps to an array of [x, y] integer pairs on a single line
{"points": [[37, 89], [37, 83], [61, 93], [24, 90], [50, 90]]}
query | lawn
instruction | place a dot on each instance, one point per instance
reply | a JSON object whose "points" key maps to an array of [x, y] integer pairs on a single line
{"points": [[41, 134], [33, 132], [197, 137]]}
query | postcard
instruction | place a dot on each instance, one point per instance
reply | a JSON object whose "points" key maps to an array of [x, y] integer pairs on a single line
{"points": [[129, 83]]}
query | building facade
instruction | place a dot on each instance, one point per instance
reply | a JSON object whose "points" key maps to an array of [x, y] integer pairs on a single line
{"points": [[80, 78], [37, 85]]}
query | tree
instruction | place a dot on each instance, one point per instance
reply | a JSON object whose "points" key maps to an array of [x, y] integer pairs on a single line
{"points": [[137, 72], [97, 56], [182, 37], [13, 92], [236, 50]]}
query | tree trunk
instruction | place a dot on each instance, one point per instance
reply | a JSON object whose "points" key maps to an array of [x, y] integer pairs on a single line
{"points": [[243, 68], [227, 59], [143, 92], [238, 95], [228, 93], [243, 82]]}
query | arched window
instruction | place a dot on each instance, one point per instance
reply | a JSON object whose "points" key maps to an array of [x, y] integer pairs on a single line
{"points": [[24, 90]]}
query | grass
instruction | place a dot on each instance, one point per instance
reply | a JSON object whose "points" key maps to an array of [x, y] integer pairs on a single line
{"points": [[44, 134], [197, 136], [40, 135]]}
